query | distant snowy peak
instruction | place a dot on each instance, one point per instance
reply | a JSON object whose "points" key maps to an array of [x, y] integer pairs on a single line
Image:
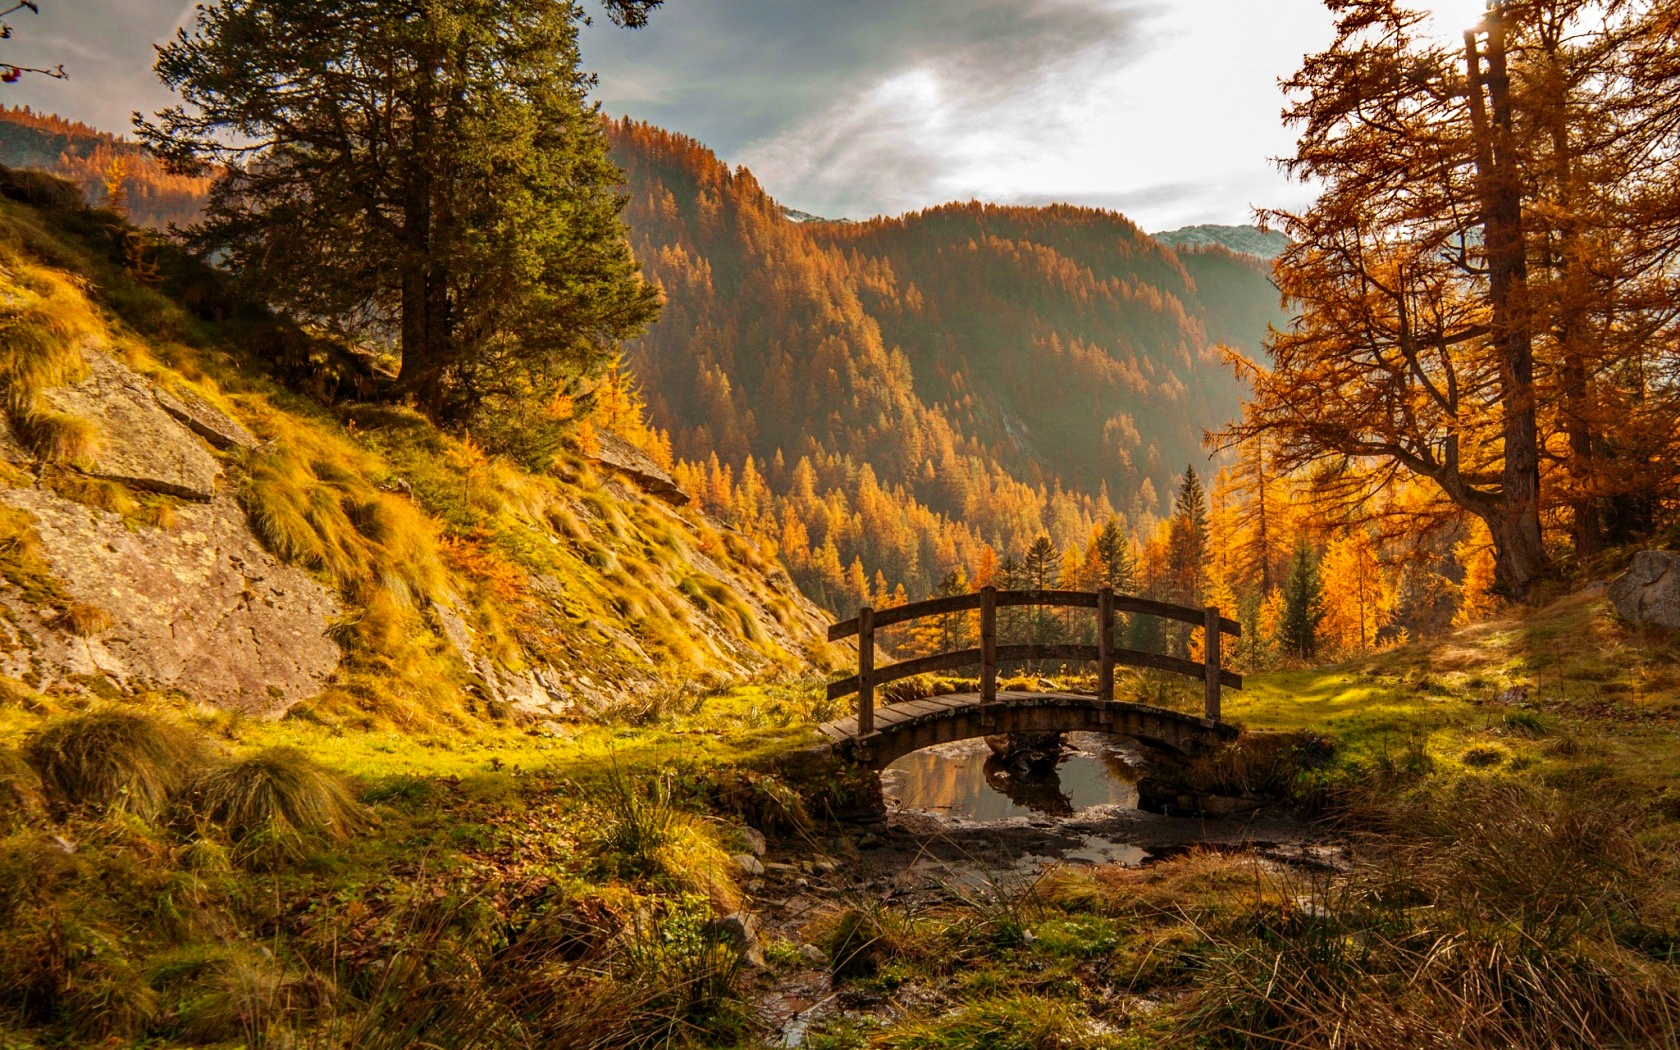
{"points": [[795, 215], [1244, 240]]}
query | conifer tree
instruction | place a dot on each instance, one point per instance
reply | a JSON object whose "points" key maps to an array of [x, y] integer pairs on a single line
{"points": [[1187, 543], [1112, 561], [1303, 606], [430, 176]]}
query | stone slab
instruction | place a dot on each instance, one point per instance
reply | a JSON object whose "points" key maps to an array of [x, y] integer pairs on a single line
{"points": [[198, 607], [141, 444]]}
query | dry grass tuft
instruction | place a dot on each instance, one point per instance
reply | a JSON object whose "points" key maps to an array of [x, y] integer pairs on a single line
{"points": [[275, 805], [83, 620], [638, 831], [115, 760], [21, 798]]}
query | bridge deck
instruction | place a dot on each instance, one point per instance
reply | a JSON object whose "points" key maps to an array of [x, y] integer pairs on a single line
{"points": [[904, 727]]}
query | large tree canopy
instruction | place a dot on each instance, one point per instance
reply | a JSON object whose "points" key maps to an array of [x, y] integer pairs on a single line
{"points": [[1485, 288], [426, 175]]}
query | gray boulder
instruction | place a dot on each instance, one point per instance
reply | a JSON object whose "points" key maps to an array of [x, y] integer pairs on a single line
{"points": [[1649, 591], [198, 607], [740, 932], [142, 444], [627, 459]]}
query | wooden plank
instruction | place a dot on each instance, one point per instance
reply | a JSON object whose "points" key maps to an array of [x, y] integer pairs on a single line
{"points": [[1150, 607], [1073, 599], [1162, 662], [912, 611], [1105, 645], [866, 671], [1210, 648], [988, 644]]}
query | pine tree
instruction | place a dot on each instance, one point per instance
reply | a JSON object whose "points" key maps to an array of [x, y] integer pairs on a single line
{"points": [[1039, 568], [1187, 543], [1112, 560], [430, 176], [1303, 606]]}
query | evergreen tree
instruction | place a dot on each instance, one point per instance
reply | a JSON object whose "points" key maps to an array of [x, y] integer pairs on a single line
{"points": [[1039, 569], [427, 176], [1303, 606], [1187, 544], [1112, 563]]}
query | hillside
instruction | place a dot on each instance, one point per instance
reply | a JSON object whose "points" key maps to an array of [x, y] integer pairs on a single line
{"points": [[913, 389], [93, 160], [176, 520]]}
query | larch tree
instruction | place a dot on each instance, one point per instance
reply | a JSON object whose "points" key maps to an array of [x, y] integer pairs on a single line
{"points": [[424, 175], [1487, 268]]}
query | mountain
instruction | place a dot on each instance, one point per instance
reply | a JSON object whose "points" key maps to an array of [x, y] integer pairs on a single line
{"points": [[94, 159], [1244, 240], [910, 390], [881, 400]]}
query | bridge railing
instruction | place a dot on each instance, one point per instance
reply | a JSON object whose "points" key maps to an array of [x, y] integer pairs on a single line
{"points": [[989, 654]]}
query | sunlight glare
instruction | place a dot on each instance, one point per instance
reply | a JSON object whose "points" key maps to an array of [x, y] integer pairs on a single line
{"points": [[1450, 18]]}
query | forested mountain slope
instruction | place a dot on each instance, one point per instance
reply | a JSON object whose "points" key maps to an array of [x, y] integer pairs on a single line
{"points": [[914, 389], [909, 391]]}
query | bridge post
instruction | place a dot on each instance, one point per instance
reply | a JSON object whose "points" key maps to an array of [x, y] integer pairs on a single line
{"points": [[1210, 645], [988, 644], [866, 671], [1105, 645]]}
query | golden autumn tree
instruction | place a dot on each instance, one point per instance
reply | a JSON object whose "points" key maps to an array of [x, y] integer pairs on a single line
{"points": [[1480, 299]]}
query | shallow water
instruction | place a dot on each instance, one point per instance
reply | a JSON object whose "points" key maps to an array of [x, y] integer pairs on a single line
{"points": [[955, 781]]}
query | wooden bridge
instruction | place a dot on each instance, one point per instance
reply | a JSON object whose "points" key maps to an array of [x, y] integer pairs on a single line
{"points": [[877, 737]]}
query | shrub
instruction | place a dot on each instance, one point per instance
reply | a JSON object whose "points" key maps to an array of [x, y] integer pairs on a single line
{"points": [[117, 760], [276, 804]]}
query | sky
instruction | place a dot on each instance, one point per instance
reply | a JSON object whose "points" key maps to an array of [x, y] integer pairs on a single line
{"points": [[1165, 110]]}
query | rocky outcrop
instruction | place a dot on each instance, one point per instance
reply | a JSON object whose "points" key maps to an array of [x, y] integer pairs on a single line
{"points": [[617, 453], [205, 419], [1649, 591], [142, 445], [198, 607]]}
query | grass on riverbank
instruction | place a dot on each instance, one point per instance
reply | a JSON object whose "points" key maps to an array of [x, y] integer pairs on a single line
{"points": [[1517, 881]]}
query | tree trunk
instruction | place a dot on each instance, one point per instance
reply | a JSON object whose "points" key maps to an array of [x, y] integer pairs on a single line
{"points": [[1521, 554]]}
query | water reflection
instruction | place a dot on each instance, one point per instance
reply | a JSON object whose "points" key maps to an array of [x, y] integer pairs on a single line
{"points": [[964, 780]]}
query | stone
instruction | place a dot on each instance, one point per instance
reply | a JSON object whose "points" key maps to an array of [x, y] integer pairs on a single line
{"points": [[1649, 591], [754, 839], [1226, 805], [11, 449], [198, 607], [205, 419], [141, 444], [747, 864], [740, 932], [1027, 751], [813, 955], [617, 453]]}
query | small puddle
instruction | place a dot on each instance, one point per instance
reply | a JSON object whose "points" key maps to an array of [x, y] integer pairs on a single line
{"points": [[963, 781]]}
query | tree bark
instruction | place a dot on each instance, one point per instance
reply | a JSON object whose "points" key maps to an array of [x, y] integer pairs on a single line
{"points": [[1521, 554]]}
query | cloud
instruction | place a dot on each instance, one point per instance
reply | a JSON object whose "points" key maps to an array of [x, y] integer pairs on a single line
{"points": [[861, 106]]}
